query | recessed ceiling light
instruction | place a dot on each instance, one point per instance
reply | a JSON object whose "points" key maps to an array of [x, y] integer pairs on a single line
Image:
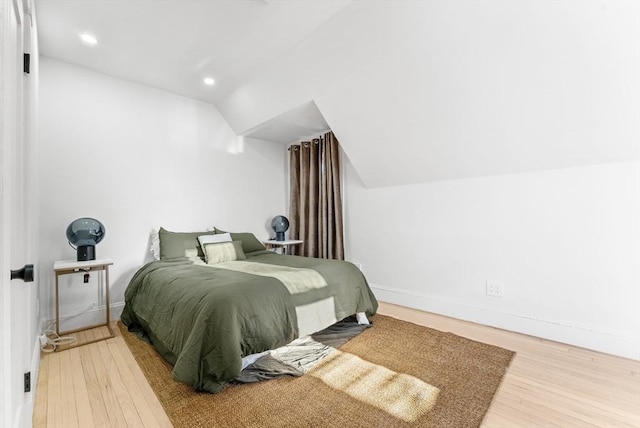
{"points": [[209, 81], [88, 39]]}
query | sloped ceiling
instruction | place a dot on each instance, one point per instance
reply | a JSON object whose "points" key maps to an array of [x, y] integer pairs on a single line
{"points": [[302, 121], [415, 91]]}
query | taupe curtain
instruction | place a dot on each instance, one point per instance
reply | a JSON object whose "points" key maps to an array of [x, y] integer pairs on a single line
{"points": [[316, 201]]}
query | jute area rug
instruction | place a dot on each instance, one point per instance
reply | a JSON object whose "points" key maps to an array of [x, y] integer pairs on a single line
{"points": [[394, 374]]}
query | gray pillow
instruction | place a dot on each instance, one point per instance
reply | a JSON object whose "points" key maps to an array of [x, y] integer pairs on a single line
{"points": [[249, 241], [176, 244]]}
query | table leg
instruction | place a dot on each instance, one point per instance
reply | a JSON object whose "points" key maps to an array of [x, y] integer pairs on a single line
{"points": [[57, 307]]}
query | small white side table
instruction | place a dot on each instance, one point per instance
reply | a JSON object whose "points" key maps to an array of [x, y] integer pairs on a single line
{"points": [[66, 267], [272, 243]]}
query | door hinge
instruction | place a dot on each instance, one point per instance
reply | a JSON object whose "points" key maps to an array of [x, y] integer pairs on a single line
{"points": [[27, 382], [27, 63]]}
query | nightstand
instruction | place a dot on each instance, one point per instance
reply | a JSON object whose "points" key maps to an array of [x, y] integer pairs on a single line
{"points": [[67, 267], [273, 244]]}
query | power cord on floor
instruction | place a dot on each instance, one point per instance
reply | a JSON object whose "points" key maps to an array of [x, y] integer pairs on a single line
{"points": [[50, 340]]}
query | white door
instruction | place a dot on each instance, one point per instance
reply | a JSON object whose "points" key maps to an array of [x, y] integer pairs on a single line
{"points": [[16, 310]]}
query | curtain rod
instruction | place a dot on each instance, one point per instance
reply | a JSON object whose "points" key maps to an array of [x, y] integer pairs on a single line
{"points": [[314, 140]]}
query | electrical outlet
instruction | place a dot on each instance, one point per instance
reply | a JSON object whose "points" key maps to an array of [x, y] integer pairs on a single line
{"points": [[495, 288], [27, 382]]}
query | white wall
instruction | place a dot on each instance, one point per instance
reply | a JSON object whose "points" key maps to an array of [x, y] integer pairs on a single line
{"points": [[565, 243], [137, 158]]}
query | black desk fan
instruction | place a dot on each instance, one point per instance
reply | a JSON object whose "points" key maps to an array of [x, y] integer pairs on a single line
{"points": [[280, 224], [83, 235]]}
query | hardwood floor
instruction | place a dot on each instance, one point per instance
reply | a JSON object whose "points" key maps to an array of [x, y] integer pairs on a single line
{"points": [[548, 384], [95, 385]]}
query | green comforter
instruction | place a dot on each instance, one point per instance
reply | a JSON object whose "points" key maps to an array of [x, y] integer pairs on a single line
{"points": [[204, 319]]}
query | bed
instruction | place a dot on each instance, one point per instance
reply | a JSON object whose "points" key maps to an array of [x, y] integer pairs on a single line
{"points": [[210, 301]]}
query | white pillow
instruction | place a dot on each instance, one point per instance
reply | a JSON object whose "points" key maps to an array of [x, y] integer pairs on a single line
{"points": [[223, 252], [213, 239], [155, 244]]}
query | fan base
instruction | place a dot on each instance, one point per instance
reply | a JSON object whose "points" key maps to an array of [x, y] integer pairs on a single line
{"points": [[86, 253]]}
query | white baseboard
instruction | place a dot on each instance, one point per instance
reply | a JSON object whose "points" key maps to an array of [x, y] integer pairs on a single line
{"points": [[90, 317], [610, 342]]}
